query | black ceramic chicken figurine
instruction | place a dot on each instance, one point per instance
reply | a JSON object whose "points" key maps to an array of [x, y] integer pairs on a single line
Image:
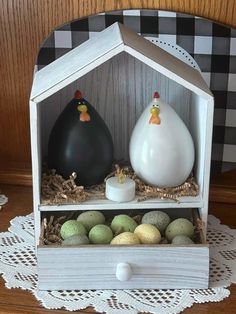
{"points": [[80, 142]]}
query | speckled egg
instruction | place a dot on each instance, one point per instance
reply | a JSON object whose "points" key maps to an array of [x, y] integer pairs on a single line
{"points": [[91, 218], [157, 218], [100, 234], [127, 238], [181, 240], [148, 234], [123, 223], [180, 226], [76, 240], [72, 227]]}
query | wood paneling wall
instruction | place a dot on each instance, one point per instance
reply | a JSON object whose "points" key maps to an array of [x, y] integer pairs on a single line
{"points": [[24, 24]]}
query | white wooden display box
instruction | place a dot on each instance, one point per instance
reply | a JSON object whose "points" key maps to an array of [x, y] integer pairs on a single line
{"points": [[70, 268]]}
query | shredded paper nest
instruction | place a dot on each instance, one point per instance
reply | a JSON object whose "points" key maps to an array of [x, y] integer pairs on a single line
{"points": [[56, 190], [51, 226]]}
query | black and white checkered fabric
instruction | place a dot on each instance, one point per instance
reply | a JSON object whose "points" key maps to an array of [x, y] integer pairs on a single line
{"points": [[213, 47]]}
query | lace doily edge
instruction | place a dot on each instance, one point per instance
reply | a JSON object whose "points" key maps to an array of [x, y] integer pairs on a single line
{"points": [[222, 294]]}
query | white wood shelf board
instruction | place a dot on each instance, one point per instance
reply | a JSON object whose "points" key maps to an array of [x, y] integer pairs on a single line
{"points": [[184, 202]]}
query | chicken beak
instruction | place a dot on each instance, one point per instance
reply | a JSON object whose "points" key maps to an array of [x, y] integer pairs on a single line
{"points": [[155, 111], [155, 119], [82, 108]]}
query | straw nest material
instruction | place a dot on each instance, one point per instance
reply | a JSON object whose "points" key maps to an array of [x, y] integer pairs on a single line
{"points": [[51, 226], [56, 190]]}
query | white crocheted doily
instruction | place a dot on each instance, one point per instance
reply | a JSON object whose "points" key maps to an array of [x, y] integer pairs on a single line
{"points": [[18, 268]]}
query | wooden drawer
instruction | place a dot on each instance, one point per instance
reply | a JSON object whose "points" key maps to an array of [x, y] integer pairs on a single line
{"points": [[95, 266]]}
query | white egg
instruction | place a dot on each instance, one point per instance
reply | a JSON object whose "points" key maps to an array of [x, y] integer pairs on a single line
{"points": [[161, 154]]}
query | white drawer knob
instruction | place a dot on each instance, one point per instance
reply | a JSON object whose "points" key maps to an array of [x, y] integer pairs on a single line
{"points": [[123, 272]]}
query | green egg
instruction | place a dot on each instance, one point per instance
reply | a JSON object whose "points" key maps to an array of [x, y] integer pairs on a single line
{"points": [[180, 226], [76, 240], [123, 223], [181, 240], [157, 218], [100, 234], [91, 218], [72, 227]]}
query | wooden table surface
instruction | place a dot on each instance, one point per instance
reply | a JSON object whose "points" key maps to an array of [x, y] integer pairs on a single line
{"points": [[19, 301]]}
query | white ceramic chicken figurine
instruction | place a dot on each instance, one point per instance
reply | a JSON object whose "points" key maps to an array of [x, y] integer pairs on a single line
{"points": [[161, 147]]}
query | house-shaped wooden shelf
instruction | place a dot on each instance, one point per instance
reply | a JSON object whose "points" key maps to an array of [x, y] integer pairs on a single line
{"points": [[133, 68]]}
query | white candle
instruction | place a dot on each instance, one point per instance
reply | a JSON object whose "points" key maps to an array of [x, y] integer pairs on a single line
{"points": [[120, 192]]}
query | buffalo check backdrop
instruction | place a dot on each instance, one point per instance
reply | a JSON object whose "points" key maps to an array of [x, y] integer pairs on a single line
{"points": [[213, 47]]}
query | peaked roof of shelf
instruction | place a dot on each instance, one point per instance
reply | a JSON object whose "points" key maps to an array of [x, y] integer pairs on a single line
{"points": [[102, 47]]}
